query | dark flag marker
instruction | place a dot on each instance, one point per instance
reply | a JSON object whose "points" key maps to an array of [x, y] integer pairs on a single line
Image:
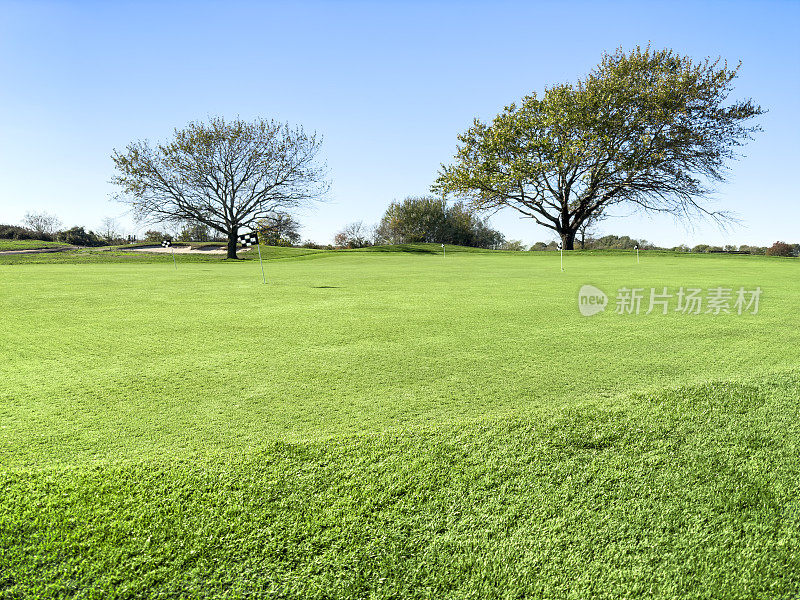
{"points": [[247, 240], [168, 244]]}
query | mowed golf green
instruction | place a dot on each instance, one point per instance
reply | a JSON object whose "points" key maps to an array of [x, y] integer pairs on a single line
{"points": [[397, 424]]}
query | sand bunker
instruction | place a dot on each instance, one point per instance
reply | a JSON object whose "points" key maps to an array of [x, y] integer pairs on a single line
{"points": [[187, 249]]}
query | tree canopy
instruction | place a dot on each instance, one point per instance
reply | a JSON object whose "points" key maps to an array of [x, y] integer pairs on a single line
{"points": [[429, 219], [279, 229], [223, 174], [648, 128]]}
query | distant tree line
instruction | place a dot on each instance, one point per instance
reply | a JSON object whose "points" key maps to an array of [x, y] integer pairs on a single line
{"points": [[607, 242], [47, 227], [624, 242], [423, 219]]}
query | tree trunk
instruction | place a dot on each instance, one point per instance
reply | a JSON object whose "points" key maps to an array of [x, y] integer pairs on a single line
{"points": [[568, 239], [233, 239]]}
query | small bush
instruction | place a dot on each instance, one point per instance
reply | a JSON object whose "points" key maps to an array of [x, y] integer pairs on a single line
{"points": [[312, 245], [77, 236], [15, 232]]}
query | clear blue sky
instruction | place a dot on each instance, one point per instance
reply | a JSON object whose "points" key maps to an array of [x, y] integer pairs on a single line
{"points": [[389, 85]]}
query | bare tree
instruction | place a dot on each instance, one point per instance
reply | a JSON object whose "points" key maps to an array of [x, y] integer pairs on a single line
{"points": [[226, 175], [42, 223], [109, 229], [354, 235]]}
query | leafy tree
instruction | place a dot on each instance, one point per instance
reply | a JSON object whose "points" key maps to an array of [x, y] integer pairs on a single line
{"points": [[226, 175], [415, 219], [154, 235], [194, 232], [485, 236], [432, 220], [648, 128], [780, 249], [44, 224], [279, 229], [552, 245]]}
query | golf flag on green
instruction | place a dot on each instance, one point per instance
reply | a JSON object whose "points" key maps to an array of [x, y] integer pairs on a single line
{"points": [[247, 240], [168, 244]]}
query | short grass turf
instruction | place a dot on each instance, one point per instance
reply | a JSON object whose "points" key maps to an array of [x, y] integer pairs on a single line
{"points": [[27, 245], [386, 425]]}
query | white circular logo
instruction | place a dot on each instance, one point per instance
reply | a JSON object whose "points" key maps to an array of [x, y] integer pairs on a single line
{"points": [[591, 300]]}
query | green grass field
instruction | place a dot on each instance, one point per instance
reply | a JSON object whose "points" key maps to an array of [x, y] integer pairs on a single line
{"points": [[394, 425], [27, 245]]}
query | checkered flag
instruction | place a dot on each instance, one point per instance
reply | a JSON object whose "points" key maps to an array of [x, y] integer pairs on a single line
{"points": [[251, 239], [248, 239], [166, 243]]}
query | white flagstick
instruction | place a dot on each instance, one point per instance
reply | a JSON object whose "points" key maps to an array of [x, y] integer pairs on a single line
{"points": [[561, 249], [263, 277], [637, 254], [168, 244], [443, 251]]}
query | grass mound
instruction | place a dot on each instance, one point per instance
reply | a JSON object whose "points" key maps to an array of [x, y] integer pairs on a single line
{"points": [[424, 248], [682, 493], [28, 245]]}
